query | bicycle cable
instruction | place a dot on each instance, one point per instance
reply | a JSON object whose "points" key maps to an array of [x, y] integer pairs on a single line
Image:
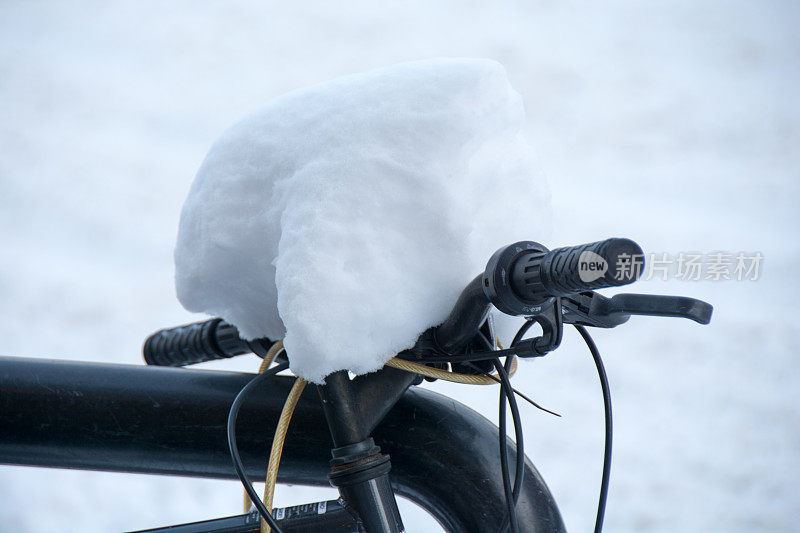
{"points": [[520, 462], [446, 375], [234, 449], [601, 372], [512, 495]]}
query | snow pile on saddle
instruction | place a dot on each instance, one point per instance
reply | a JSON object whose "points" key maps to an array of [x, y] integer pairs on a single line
{"points": [[348, 216]]}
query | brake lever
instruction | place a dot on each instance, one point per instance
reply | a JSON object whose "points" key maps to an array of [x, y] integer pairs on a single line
{"points": [[592, 309]]}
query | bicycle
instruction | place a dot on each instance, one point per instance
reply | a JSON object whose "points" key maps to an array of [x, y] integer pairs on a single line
{"points": [[165, 420]]}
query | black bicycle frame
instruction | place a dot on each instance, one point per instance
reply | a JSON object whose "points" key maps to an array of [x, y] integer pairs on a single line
{"points": [[171, 421]]}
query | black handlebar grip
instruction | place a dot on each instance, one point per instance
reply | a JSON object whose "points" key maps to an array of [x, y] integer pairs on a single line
{"points": [[197, 343], [573, 269]]}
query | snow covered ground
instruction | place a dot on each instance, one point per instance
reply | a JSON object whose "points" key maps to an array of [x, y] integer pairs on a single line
{"points": [[673, 123]]}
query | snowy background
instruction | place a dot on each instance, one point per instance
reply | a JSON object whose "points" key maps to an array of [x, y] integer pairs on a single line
{"points": [[673, 123]]}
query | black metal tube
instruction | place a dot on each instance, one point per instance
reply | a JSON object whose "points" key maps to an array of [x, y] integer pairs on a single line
{"points": [[172, 421], [352, 409], [374, 503], [340, 408]]}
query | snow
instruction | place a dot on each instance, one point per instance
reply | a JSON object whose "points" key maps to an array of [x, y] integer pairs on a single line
{"points": [[349, 216], [673, 123]]}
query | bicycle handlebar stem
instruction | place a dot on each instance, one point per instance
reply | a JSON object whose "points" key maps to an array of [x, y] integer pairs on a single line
{"points": [[353, 408]]}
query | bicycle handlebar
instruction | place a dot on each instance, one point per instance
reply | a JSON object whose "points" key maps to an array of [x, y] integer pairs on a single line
{"points": [[572, 269], [519, 278], [199, 342]]}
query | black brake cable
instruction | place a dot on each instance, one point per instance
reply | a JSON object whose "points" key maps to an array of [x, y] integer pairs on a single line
{"points": [[520, 462], [522, 331], [601, 372], [234, 449], [486, 355], [472, 356], [512, 495], [506, 390]]}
